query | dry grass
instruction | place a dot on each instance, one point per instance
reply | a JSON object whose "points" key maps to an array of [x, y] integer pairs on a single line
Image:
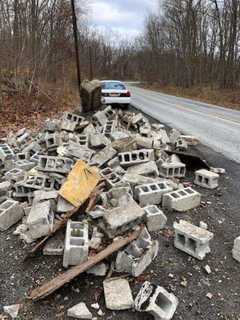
{"points": [[227, 98], [30, 111]]}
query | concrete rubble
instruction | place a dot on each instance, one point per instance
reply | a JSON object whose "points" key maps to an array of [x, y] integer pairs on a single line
{"points": [[157, 301], [118, 295], [79, 311], [141, 181]]}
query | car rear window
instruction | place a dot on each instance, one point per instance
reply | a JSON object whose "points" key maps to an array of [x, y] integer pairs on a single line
{"points": [[113, 85]]}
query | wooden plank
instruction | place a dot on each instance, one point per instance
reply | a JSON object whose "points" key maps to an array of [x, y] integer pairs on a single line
{"points": [[49, 287]]}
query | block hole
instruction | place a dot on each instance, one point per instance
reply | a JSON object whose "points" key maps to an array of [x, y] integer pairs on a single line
{"points": [[192, 245], [163, 303], [181, 239]]}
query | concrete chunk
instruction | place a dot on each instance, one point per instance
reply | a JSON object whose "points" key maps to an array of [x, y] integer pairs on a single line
{"points": [[122, 218], [146, 169], [118, 295], [103, 156], [79, 311]]}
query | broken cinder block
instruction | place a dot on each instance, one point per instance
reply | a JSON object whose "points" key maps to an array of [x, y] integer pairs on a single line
{"points": [[137, 256], [157, 301]]}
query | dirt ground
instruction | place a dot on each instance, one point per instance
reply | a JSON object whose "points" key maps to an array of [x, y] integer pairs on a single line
{"points": [[173, 269]]}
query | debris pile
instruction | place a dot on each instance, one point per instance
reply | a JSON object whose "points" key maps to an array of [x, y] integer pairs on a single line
{"points": [[111, 180]]}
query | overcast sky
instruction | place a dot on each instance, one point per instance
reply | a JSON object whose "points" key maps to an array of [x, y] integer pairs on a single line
{"points": [[122, 16]]}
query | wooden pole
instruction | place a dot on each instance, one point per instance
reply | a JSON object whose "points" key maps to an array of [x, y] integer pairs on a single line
{"points": [[75, 34]]}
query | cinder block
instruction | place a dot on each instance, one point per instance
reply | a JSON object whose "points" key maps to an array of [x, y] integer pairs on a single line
{"points": [[157, 301], [181, 200], [71, 121], [128, 159], [73, 150], [123, 217], [72, 117], [181, 144], [109, 128], [22, 156], [236, 249], [10, 213], [6, 153], [172, 169], [15, 175], [51, 141], [32, 148], [137, 256], [101, 117], [206, 179], [38, 182], [83, 140], [156, 219], [42, 195], [98, 140], [40, 219], [192, 239], [24, 138], [51, 125], [25, 165], [103, 156], [4, 188], [112, 178], [119, 135], [151, 193], [76, 243], [55, 164]]}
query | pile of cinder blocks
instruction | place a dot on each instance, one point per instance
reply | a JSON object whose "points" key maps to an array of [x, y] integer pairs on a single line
{"points": [[142, 183]]}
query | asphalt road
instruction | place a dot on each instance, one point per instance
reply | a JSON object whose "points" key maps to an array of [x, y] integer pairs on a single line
{"points": [[216, 127]]}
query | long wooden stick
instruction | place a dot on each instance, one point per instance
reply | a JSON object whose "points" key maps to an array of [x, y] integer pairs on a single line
{"points": [[49, 287]]}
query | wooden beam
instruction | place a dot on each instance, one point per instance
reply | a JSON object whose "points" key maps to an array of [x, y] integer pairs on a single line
{"points": [[49, 287]]}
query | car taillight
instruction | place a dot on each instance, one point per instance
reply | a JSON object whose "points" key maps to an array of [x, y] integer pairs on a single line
{"points": [[127, 94]]}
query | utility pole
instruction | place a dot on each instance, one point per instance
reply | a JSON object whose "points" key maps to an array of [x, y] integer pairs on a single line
{"points": [[75, 33]]}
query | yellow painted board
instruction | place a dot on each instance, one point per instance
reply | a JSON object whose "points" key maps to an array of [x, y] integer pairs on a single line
{"points": [[80, 182]]}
